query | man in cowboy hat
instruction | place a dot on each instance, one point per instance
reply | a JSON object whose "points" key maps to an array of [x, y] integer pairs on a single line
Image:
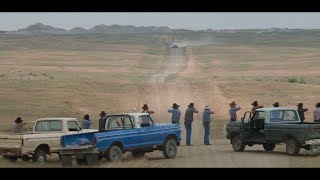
{"points": [[188, 119], [206, 124], [316, 113], [301, 111], [103, 117], [255, 106], [176, 113], [145, 109], [233, 111], [17, 128]]}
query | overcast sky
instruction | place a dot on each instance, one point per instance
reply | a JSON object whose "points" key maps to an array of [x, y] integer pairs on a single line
{"points": [[194, 21]]}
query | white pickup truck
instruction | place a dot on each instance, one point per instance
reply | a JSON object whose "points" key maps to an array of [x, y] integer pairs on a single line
{"points": [[42, 140]]}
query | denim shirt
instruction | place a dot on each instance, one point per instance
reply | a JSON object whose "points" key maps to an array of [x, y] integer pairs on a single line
{"points": [[175, 115], [206, 115], [86, 124]]}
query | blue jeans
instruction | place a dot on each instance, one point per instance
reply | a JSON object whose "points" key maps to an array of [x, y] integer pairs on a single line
{"points": [[206, 126], [188, 126]]}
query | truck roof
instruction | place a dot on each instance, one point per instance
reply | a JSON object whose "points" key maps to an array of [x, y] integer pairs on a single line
{"points": [[57, 118], [275, 109], [134, 114]]}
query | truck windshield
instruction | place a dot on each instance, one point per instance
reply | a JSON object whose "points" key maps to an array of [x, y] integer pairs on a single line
{"points": [[48, 125]]}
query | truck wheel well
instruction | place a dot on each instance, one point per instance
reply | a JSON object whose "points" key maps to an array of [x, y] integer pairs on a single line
{"points": [[287, 137], [172, 136], [44, 147], [118, 143], [233, 135]]}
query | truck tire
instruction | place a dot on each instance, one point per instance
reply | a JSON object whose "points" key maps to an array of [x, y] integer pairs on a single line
{"points": [[10, 158], [169, 148], [81, 161], [138, 154], [25, 158], [114, 153], [66, 160], [292, 147], [91, 159], [269, 146], [237, 144], [40, 156]]}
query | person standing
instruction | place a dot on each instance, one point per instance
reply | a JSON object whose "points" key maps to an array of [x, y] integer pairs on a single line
{"points": [[255, 106], [103, 117], [86, 122], [316, 113], [206, 124], [18, 126], [301, 111], [175, 117], [233, 111], [188, 119], [145, 109]]}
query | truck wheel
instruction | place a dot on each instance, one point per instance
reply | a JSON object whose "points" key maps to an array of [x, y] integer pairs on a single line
{"points": [[138, 154], [40, 156], [81, 161], [169, 148], [269, 146], [91, 159], [66, 160], [292, 147], [10, 158], [25, 157], [237, 145], [114, 153]]}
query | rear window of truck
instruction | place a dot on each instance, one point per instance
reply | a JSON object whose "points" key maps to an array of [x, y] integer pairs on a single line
{"points": [[283, 115], [50, 125]]}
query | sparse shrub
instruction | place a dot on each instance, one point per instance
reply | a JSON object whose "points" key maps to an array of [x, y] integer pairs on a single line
{"points": [[293, 80], [296, 80], [302, 81]]}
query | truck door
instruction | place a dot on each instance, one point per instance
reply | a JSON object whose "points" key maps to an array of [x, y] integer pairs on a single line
{"points": [[149, 132], [131, 137]]}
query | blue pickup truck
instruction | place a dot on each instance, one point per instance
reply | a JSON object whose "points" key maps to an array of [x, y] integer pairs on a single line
{"points": [[133, 132]]}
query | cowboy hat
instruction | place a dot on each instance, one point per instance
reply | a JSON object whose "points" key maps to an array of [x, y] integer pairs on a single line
{"points": [[232, 103], [255, 103], [175, 105], [102, 113], [300, 105], [191, 105], [318, 104], [276, 104], [207, 107], [145, 106], [18, 120]]}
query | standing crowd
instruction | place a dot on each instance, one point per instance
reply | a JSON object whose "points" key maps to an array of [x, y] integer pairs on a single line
{"points": [[188, 118]]}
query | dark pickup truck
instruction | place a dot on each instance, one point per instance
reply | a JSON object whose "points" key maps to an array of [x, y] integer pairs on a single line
{"points": [[271, 126]]}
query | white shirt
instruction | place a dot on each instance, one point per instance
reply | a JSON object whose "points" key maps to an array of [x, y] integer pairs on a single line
{"points": [[316, 114]]}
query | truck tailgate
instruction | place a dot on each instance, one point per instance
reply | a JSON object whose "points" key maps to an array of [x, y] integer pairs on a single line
{"points": [[313, 131], [10, 142]]}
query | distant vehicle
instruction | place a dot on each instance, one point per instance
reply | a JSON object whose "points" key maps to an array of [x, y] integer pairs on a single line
{"points": [[175, 46], [271, 126]]}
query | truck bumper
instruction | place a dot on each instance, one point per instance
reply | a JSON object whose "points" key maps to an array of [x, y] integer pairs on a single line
{"points": [[314, 146], [78, 150]]}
